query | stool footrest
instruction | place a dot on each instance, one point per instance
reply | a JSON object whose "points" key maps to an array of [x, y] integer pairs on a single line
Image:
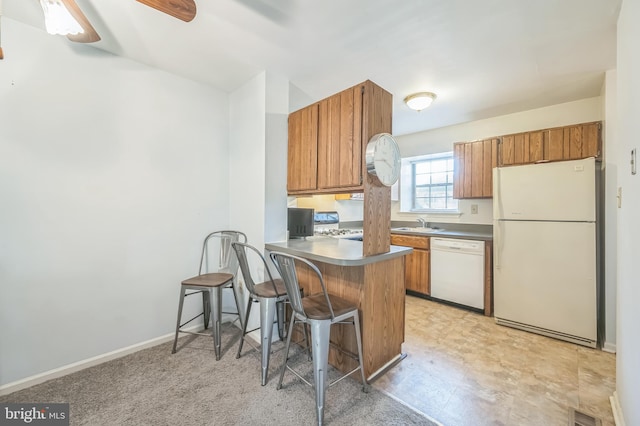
{"points": [[195, 333], [197, 316]]}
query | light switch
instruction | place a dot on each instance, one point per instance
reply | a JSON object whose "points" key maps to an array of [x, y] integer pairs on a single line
{"points": [[633, 161], [474, 209], [619, 197]]}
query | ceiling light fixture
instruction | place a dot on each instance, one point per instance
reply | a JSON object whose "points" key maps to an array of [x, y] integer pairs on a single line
{"points": [[420, 101], [58, 19]]}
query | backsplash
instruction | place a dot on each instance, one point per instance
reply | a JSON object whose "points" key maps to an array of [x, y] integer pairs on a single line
{"points": [[454, 227], [351, 210], [483, 217]]}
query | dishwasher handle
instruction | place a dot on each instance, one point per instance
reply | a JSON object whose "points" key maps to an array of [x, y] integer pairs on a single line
{"points": [[458, 245]]}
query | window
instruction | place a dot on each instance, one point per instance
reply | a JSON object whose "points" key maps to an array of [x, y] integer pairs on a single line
{"points": [[428, 183]]}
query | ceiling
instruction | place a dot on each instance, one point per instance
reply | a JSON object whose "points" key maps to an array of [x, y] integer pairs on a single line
{"points": [[482, 58]]}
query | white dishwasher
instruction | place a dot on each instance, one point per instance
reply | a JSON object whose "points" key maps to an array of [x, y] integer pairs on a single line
{"points": [[457, 271]]}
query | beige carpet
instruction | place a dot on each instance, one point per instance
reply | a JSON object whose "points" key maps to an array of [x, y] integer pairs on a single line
{"points": [[154, 387]]}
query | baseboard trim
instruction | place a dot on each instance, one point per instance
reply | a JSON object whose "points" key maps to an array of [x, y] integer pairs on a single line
{"points": [[618, 418], [86, 363], [609, 347]]}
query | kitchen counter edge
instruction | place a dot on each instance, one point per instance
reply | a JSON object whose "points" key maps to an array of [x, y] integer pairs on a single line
{"points": [[448, 234], [334, 251]]}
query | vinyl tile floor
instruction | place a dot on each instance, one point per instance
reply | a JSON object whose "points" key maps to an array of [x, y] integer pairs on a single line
{"points": [[464, 369]]}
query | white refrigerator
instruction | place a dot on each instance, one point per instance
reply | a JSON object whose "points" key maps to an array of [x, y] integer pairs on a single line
{"points": [[545, 249]]}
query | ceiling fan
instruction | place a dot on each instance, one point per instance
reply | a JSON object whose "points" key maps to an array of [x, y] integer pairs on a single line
{"points": [[184, 10], [84, 32]]}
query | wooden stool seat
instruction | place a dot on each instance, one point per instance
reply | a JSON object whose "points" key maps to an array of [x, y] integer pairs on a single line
{"points": [[266, 289], [214, 279], [315, 306]]}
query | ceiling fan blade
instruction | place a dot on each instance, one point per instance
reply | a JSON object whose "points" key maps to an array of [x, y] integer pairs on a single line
{"points": [[89, 35], [184, 10]]}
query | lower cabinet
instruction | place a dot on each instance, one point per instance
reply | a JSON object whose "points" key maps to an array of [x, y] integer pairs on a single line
{"points": [[416, 265]]}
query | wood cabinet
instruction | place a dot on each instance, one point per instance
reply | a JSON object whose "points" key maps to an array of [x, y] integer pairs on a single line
{"points": [[416, 266], [340, 140], [472, 168], [474, 161], [521, 148], [573, 142], [327, 140], [302, 157], [556, 144], [488, 278]]}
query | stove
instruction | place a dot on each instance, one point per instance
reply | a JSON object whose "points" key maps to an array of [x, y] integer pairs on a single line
{"points": [[327, 224], [337, 232]]}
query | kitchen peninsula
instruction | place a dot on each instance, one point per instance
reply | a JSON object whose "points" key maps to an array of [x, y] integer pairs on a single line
{"points": [[331, 150], [373, 283]]}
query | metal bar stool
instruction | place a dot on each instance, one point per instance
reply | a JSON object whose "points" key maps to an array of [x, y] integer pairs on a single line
{"points": [[271, 294], [211, 284], [320, 311]]}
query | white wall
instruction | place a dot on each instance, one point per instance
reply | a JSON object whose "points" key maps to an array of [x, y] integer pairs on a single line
{"points": [[258, 165], [442, 140], [246, 168], [276, 158], [247, 158], [111, 173], [628, 111]]}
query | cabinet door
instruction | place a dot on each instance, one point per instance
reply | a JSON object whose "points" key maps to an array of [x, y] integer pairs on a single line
{"points": [[340, 140], [477, 169], [302, 151], [458, 170], [490, 153], [591, 140], [513, 149], [417, 271], [416, 266], [473, 164], [522, 148], [554, 144], [572, 142], [534, 146], [507, 151], [582, 141]]}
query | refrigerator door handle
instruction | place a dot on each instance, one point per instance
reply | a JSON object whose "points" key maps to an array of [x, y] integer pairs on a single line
{"points": [[497, 238], [497, 202]]}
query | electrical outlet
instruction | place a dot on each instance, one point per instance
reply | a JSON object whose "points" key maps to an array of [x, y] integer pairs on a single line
{"points": [[474, 209]]}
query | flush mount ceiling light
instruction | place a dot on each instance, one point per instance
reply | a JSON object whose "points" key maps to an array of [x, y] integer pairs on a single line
{"points": [[58, 19], [420, 101]]}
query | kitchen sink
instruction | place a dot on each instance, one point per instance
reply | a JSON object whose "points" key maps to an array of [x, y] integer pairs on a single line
{"points": [[416, 229]]}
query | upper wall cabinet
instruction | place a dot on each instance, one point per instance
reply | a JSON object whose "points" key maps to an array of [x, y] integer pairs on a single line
{"points": [[302, 155], [473, 161], [340, 140], [521, 148], [557, 144], [327, 140], [472, 168]]}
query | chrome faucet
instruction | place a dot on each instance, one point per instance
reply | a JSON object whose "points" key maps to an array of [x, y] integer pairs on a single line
{"points": [[422, 222]]}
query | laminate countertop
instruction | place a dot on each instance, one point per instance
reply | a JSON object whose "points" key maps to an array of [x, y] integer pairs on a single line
{"points": [[334, 251], [445, 233]]}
